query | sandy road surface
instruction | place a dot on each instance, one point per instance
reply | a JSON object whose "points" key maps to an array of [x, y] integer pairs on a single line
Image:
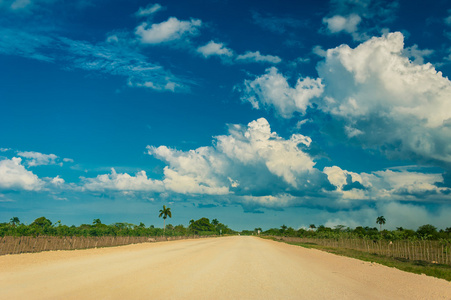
{"points": [[217, 268]]}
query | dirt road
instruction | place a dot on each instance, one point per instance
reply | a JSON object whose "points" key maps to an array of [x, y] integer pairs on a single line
{"points": [[216, 268]]}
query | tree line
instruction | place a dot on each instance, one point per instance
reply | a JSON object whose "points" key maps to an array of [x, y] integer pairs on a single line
{"points": [[424, 232], [44, 226]]}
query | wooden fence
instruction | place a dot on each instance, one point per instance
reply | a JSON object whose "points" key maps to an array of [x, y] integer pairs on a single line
{"points": [[30, 244], [421, 250]]}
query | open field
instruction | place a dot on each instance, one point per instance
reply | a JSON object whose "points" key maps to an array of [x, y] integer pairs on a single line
{"points": [[218, 268]]}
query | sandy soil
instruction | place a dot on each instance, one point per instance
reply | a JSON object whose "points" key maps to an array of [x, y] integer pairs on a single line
{"points": [[221, 268]]}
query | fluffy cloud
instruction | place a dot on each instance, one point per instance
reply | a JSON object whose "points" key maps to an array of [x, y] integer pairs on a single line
{"points": [[338, 23], [122, 182], [375, 94], [57, 181], [38, 159], [250, 165], [272, 90], [390, 185], [13, 175], [250, 160], [387, 101], [257, 57], [170, 30], [199, 171], [212, 48], [281, 157], [277, 201], [361, 19]]}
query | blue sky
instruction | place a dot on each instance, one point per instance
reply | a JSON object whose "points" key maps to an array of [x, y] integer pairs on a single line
{"points": [[257, 113]]}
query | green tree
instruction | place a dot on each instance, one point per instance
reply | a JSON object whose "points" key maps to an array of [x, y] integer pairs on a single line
{"points": [[190, 226], [165, 212], [42, 222], [283, 228], [14, 221], [202, 225], [339, 228], [380, 220], [427, 231], [312, 226], [215, 222], [96, 222]]}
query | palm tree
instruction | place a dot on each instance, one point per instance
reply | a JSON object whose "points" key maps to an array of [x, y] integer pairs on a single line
{"points": [[283, 228], [14, 221], [165, 212], [380, 220]]}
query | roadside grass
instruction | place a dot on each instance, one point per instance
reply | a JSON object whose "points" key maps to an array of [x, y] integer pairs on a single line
{"points": [[417, 267]]}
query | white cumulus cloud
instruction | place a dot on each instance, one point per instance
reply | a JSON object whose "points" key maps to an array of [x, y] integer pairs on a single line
{"points": [[281, 157], [38, 159], [13, 175], [272, 90], [199, 171], [339, 23], [170, 30], [212, 48], [122, 182], [386, 185], [387, 101], [248, 160]]}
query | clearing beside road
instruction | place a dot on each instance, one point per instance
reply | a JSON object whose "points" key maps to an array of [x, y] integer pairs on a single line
{"points": [[214, 268]]}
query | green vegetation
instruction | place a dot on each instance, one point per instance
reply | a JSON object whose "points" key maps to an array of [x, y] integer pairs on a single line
{"points": [[44, 227], [204, 227], [425, 232], [165, 212], [381, 221], [426, 250], [419, 267]]}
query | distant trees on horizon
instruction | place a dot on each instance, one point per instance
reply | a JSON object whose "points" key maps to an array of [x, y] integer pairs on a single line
{"points": [[424, 232], [203, 226], [43, 226]]}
